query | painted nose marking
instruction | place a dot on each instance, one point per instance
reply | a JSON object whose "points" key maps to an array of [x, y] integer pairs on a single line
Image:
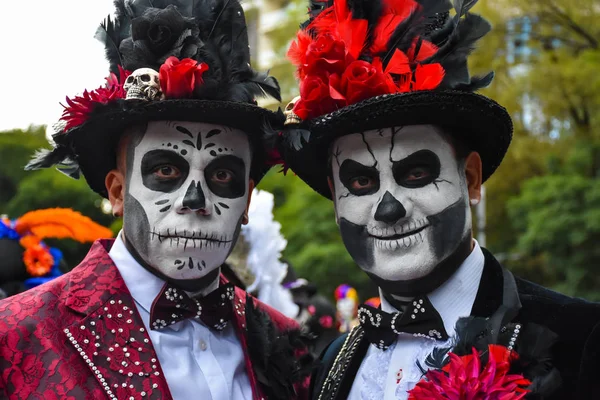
{"points": [[389, 210], [194, 197]]}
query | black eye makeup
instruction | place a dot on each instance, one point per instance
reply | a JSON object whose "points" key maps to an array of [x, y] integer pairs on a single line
{"points": [[226, 176], [164, 170], [359, 179], [417, 170]]}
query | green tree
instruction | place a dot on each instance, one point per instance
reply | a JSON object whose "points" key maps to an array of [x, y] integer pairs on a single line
{"points": [[24, 191], [541, 202], [558, 220], [16, 148]]}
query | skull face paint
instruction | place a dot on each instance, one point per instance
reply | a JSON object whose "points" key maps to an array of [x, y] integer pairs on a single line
{"points": [[401, 200], [187, 190]]}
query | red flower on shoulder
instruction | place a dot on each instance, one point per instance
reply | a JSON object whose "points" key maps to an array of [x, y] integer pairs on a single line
{"points": [[178, 79], [465, 378]]}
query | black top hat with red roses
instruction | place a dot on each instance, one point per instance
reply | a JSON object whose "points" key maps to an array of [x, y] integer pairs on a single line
{"points": [[373, 64], [169, 60]]}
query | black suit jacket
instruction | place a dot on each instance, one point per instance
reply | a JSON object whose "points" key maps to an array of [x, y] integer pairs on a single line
{"points": [[576, 355]]}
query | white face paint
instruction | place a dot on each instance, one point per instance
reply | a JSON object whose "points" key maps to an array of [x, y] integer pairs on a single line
{"points": [[187, 190], [401, 200]]}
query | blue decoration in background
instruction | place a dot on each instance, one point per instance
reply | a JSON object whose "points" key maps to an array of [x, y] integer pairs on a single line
{"points": [[7, 232]]}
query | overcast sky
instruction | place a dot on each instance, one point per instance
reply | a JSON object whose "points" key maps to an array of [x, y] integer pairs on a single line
{"points": [[47, 51]]}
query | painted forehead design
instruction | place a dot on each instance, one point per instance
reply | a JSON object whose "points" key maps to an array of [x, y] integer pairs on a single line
{"points": [[394, 144], [187, 137]]}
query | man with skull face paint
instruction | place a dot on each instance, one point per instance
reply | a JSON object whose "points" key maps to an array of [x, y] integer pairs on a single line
{"points": [[176, 142], [388, 126]]}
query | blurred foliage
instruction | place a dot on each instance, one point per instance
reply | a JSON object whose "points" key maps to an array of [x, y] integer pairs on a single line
{"points": [[16, 148], [557, 217], [30, 190]]}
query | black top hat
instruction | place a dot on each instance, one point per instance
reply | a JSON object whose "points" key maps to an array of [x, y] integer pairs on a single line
{"points": [[372, 64], [169, 60]]}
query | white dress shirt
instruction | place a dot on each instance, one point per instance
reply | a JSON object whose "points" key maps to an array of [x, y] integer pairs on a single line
{"points": [[197, 363], [390, 374]]}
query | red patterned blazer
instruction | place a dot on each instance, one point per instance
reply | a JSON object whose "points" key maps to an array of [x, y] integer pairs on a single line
{"points": [[80, 337]]}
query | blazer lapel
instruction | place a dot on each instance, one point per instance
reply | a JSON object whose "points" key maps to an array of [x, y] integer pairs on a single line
{"points": [[111, 337], [491, 286]]}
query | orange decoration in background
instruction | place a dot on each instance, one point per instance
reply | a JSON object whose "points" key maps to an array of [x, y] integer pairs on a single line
{"points": [[61, 223], [56, 223], [38, 260]]}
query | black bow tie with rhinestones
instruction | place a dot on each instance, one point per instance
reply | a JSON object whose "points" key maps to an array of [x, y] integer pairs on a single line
{"points": [[419, 319], [173, 305]]}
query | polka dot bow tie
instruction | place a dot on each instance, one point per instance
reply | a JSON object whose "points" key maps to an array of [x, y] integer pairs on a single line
{"points": [[419, 318], [173, 305]]}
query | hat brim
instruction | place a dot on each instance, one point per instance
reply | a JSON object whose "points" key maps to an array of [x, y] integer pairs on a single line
{"points": [[93, 144], [478, 122]]}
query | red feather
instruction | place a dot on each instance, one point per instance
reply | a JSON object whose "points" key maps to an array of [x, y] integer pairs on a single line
{"points": [[398, 64], [298, 49], [325, 22], [338, 21], [402, 8], [428, 76], [394, 12], [426, 50], [354, 34]]}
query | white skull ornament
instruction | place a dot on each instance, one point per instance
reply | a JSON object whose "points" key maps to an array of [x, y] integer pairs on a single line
{"points": [[143, 84]]}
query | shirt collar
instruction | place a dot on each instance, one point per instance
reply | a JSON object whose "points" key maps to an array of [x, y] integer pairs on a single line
{"points": [[455, 297], [142, 284]]}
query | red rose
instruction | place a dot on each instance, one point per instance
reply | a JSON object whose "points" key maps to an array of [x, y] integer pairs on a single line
{"points": [[316, 98], [362, 80], [178, 79], [325, 54]]}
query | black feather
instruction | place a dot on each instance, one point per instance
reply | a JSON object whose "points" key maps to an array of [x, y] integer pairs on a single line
{"points": [[472, 332], [274, 354], [461, 42], [296, 137], [371, 11], [257, 85], [453, 54], [314, 9], [108, 33], [463, 6], [535, 360], [414, 26], [272, 134], [438, 357], [476, 83], [440, 36], [60, 157]]}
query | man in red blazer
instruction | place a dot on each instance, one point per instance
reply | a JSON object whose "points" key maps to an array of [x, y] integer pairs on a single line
{"points": [[175, 141]]}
